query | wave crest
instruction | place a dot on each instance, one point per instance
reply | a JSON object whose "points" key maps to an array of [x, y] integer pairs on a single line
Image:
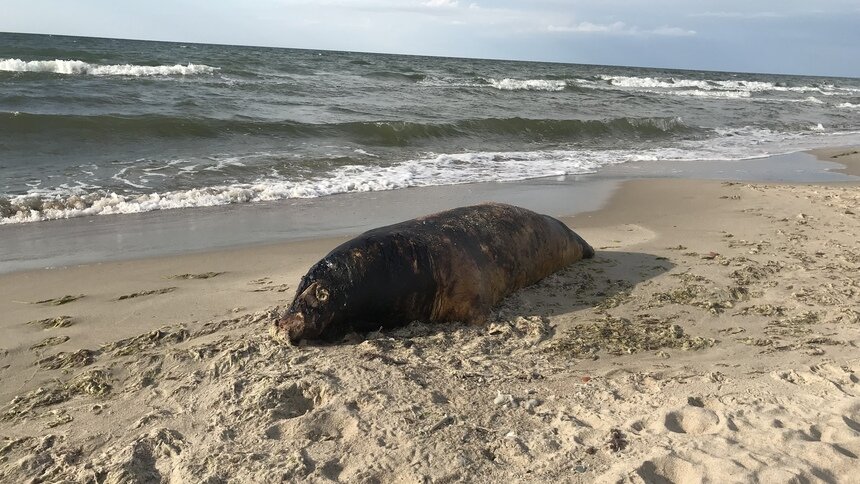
{"points": [[77, 67], [508, 84]]}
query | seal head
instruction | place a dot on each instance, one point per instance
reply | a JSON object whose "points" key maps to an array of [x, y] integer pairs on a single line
{"points": [[318, 303]]}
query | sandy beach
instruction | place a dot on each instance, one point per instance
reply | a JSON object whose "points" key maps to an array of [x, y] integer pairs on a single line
{"points": [[714, 338]]}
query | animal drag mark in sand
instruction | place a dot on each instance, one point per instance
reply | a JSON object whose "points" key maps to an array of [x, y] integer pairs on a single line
{"points": [[451, 266]]}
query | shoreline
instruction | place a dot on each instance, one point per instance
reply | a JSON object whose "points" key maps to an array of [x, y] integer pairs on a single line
{"points": [[96, 239], [849, 157], [713, 310]]}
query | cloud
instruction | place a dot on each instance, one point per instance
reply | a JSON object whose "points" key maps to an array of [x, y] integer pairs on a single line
{"points": [[618, 28], [738, 14], [672, 32], [590, 28], [441, 3]]}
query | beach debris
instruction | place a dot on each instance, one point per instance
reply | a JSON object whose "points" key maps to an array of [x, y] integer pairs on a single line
{"points": [[443, 422], [52, 323], [613, 301], [153, 416], [847, 153], [849, 316], [92, 382], [764, 310], [12, 443], [714, 377], [711, 255], [797, 325], [531, 404], [618, 336], [267, 285], [57, 417], [52, 341], [504, 399], [65, 360], [749, 341], [145, 341], [617, 441], [40, 397], [153, 292], [204, 275], [60, 300]]}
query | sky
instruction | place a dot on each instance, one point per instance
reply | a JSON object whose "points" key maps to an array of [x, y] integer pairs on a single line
{"points": [[820, 37]]}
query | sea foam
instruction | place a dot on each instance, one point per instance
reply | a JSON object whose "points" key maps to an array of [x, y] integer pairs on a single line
{"points": [[432, 170], [528, 84], [77, 67], [739, 88]]}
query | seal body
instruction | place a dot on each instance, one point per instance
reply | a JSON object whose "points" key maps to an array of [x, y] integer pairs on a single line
{"points": [[450, 266]]}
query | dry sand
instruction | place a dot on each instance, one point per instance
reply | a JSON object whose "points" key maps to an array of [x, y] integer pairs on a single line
{"points": [[713, 338]]}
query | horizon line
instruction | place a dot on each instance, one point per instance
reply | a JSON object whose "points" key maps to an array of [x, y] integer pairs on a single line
{"points": [[688, 69]]}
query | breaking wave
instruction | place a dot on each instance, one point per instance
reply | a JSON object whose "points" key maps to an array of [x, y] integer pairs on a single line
{"points": [[707, 87], [432, 170], [651, 85], [77, 67], [528, 84]]}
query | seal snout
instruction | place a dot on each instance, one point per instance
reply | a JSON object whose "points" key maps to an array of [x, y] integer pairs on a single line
{"points": [[292, 326]]}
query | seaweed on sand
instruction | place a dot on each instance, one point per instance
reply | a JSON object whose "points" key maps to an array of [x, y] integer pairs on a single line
{"points": [[618, 336]]}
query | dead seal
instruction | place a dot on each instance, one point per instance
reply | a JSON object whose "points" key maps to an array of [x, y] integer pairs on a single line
{"points": [[450, 266]]}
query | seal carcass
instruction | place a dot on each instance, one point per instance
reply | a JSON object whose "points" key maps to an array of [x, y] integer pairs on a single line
{"points": [[450, 266]]}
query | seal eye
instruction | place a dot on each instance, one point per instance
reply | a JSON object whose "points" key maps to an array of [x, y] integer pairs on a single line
{"points": [[321, 294]]}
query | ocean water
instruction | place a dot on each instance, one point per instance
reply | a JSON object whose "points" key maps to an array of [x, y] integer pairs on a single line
{"points": [[103, 126]]}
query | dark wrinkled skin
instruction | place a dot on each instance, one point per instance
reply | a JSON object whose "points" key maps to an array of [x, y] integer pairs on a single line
{"points": [[451, 266]]}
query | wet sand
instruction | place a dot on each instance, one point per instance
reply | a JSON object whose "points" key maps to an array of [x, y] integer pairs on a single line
{"points": [[86, 240], [714, 337]]}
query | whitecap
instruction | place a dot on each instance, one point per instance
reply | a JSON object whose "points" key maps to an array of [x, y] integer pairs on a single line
{"points": [[77, 67], [508, 84]]}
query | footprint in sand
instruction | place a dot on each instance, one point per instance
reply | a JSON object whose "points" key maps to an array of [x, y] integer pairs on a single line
{"points": [[692, 420], [286, 403], [668, 469]]}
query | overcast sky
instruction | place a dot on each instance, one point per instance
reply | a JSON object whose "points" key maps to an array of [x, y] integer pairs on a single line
{"points": [[786, 36]]}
